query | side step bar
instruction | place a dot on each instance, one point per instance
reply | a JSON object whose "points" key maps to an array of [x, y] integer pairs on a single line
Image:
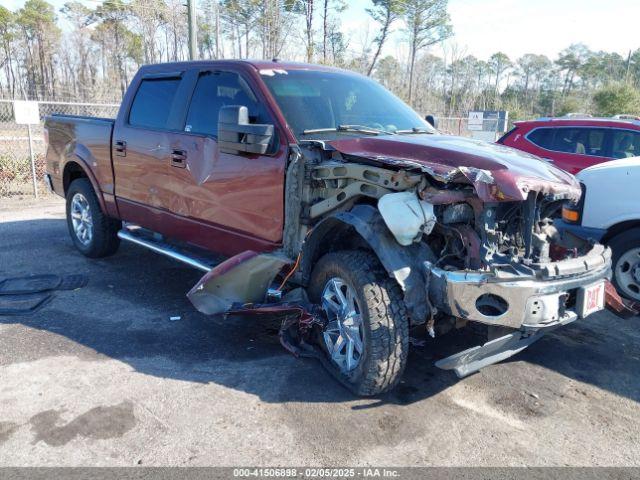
{"points": [[166, 249]]}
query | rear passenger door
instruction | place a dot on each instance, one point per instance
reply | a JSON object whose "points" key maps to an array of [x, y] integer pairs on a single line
{"points": [[237, 199], [141, 148]]}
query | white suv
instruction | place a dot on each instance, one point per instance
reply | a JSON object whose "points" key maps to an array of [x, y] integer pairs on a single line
{"points": [[609, 213]]}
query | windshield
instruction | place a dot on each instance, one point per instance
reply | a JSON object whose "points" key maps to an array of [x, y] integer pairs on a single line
{"points": [[326, 104]]}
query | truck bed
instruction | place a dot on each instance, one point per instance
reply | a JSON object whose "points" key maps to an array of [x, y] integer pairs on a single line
{"points": [[85, 141]]}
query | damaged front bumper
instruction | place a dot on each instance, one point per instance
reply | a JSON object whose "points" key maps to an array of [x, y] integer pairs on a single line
{"points": [[533, 301], [530, 304]]}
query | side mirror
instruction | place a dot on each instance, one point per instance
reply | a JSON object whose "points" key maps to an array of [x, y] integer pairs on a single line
{"points": [[431, 120], [236, 134]]}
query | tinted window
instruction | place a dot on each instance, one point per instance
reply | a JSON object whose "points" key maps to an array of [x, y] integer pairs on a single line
{"points": [[626, 144], [152, 103], [215, 90], [542, 137], [582, 141]]}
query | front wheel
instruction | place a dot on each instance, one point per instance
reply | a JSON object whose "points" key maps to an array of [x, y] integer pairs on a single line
{"points": [[626, 263], [92, 232], [366, 340]]}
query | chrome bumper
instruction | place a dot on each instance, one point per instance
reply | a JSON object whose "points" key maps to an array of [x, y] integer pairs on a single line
{"points": [[529, 302]]}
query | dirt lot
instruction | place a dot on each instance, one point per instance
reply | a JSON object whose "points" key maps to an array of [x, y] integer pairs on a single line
{"points": [[101, 376]]}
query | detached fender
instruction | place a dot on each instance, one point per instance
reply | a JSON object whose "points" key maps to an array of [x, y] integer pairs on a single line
{"points": [[364, 226], [241, 279]]}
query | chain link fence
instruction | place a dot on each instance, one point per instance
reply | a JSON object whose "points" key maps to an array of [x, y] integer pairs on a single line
{"points": [[454, 126], [18, 143]]}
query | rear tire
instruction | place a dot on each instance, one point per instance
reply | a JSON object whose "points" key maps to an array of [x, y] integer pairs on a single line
{"points": [[626, 263], [378, 317], [91, 230]]}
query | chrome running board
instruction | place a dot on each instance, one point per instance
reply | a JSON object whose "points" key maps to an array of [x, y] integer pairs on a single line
{"points": [[149, 240]]}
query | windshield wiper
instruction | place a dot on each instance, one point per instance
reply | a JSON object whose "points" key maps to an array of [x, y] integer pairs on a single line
{"points": [[414, 130], [349, 128]]}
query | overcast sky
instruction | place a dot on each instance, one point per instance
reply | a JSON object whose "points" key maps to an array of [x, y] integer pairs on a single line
{"points": [[515, 27]]}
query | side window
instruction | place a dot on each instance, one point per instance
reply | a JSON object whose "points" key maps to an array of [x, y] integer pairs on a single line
{"points": [[215, 90], [152, 103], [595, 142], [578, 140], [542, 137], [625, 144]]}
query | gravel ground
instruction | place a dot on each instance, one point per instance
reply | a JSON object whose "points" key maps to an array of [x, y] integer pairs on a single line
{"points": [[101, 376]]}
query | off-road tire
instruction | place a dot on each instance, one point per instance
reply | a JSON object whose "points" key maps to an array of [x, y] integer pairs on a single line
{"points": [[621, 244], [384, 317], [104, 241]]}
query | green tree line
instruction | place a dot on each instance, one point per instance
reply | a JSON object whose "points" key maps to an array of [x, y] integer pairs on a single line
{"points": [[89, 51]]}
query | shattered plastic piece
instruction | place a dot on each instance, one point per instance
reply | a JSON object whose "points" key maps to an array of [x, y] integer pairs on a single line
{"points": [[176, 318]]}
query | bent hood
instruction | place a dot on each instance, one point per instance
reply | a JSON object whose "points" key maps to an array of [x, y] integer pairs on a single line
{"points": [[498, 173]]}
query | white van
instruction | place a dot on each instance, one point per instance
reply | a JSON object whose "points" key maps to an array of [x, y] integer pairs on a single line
{"points": [[609, 212]]}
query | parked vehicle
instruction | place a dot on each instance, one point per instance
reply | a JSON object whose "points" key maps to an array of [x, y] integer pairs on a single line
{"points": [[609, 212], [335, 205], [576, 143]]}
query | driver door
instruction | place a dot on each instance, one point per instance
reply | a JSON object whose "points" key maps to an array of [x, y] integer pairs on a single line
{"points": [[229, 202]]}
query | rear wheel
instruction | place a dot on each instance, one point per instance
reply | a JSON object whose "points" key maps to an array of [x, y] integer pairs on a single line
{"points": [[626, 263], [93, 233], [366, 340]]}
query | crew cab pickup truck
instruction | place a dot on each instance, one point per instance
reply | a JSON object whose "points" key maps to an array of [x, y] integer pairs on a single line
{"points": [[314, 194]]}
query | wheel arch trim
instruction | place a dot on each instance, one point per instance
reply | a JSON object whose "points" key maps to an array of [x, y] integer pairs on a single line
{"points": [[77, 160]]}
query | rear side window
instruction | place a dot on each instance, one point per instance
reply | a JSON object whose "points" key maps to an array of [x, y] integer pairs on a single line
{"points": [[582, 141], [626, 144], [215, 90], [542, 137], [152, 103]]}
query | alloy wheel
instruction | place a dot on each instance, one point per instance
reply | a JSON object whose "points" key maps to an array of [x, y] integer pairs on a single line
{"points": [[81, 219], [343, 336]]}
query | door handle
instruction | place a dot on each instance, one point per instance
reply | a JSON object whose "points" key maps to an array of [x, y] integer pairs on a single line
{"points": [[178, 158], [120, 148]]}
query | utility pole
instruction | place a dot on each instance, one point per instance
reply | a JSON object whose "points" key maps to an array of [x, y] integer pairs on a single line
{"points": [[193, 29]]}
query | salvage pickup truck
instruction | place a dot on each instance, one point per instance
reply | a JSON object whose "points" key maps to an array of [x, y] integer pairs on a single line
{"points": [[315, 195]]}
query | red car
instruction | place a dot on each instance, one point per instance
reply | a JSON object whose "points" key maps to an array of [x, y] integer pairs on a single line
{"points": [[573, 144]]}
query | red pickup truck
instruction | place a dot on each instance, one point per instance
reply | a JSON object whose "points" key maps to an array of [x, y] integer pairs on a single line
{"points": [[315, 194]]}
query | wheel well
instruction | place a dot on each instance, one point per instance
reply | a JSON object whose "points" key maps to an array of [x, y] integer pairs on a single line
{"points": [[72, 171], [340, 236], [619, 228]]}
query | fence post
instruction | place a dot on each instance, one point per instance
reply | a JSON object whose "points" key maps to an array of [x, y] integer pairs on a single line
{"points": [[33, 163]]}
